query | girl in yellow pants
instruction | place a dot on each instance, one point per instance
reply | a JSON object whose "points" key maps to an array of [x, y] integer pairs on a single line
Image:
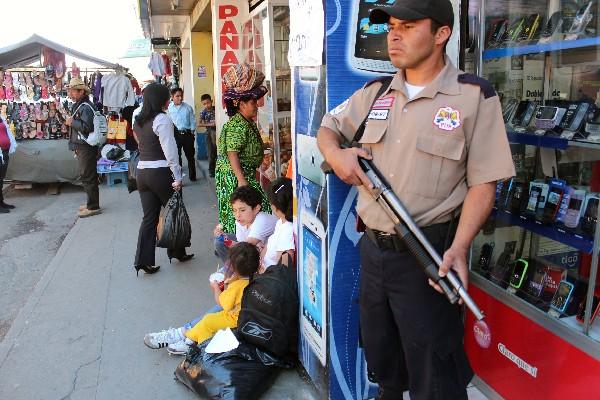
{"points": [[244, 260]]}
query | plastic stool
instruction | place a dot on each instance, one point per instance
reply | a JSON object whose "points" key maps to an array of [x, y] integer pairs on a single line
{"points": [[114, 177]]}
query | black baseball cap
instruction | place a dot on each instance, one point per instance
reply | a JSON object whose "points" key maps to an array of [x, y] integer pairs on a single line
{"points": [[410, 10]]}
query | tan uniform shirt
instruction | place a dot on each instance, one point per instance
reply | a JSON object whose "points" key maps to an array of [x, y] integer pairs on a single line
{"points": [[431, 148]]}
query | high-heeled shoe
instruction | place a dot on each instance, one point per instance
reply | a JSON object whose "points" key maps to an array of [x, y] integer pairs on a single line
{"points": [[149, 269], [185, 258]]}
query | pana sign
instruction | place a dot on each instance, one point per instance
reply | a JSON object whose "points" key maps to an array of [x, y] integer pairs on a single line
{"points": [[252, 4]]}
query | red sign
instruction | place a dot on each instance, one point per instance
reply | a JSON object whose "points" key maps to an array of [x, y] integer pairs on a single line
{"points": [[524, 360]]}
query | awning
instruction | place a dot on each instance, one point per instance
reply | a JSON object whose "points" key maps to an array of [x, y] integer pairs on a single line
{"points": [[29, 51]]}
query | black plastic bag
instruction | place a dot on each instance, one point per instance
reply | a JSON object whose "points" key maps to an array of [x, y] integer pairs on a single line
{"points": [[132, 171], [244, 373], [174, 230]]}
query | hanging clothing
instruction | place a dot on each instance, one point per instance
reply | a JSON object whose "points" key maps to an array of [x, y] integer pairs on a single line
{"points": [[167, 63], [157, 65], [118, 92], [97, 88]]}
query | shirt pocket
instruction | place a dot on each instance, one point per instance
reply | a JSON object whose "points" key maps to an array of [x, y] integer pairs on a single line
{"points": [[374, 131], [438, 165]]}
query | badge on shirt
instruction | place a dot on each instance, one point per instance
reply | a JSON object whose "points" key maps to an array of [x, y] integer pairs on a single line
{"points": [[384, 102], [339, 108], [447, 119], [379, 114]]}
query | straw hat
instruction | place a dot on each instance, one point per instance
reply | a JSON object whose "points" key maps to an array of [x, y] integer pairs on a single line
{"points": [[77, 83]]}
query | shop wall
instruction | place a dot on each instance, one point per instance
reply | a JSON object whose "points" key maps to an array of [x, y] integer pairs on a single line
{"points": [[185, 78], [201, 68]]}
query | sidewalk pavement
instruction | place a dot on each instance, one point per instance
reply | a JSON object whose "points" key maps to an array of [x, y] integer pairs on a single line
{"points": [[80, 335]]}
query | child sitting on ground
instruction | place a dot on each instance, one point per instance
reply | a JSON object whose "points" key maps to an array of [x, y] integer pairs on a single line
{"points": [[280, 194], [244, 260], [252, 224]]}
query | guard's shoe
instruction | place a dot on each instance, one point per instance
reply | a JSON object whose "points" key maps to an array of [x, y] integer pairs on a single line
{"points": [[159, 340]]}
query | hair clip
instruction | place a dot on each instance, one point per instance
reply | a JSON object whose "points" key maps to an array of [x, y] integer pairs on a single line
{"points": [[279, 188]]}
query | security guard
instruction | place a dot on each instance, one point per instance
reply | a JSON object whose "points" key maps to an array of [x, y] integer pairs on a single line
{"points": [[438, 137]]}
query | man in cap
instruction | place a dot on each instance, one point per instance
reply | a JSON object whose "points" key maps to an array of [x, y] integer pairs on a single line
{"points": [[81, 124], [437, 136]]}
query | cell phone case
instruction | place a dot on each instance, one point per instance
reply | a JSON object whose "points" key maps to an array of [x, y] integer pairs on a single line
{"points": [[562, 297], [519, 272]]}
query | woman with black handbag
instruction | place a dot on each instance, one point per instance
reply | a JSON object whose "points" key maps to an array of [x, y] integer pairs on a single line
{"points": [[158, 173]]}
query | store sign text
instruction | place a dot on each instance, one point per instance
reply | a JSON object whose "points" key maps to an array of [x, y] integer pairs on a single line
{"points": [[229, 39], [517, 360]]}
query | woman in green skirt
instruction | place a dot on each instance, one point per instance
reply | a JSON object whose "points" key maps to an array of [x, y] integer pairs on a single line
{"points": [[240, 148]]}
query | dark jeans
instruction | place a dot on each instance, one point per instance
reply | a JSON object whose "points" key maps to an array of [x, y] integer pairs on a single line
{"points": [[154, 186], [3, 169], [211, 149], [87, 158], [412, 335], [185, 141]]}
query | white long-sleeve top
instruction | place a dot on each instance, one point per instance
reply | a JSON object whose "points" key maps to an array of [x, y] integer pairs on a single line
{"points": [[162, 126], [118, 92], [157, 65]]}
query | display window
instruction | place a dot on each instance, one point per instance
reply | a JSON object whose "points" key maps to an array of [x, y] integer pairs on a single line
{"points": [[537, 246]]}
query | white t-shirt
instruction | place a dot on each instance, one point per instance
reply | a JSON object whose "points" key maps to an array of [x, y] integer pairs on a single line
{"points": [[413, 90], [261, 228], [281, 240]]}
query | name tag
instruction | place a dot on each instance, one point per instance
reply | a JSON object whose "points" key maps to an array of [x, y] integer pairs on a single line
{"points": [[379, 114], [385, 102]]}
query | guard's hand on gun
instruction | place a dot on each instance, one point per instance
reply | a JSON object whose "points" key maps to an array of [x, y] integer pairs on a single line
{"points": [[344, 163], [177, 185], [455, 258]]}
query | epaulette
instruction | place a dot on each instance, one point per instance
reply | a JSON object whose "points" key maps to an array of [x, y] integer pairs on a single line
{"points": [[486, 87], [385, 81]]}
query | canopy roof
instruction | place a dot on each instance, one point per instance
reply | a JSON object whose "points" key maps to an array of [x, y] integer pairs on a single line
{"points": [[29, 51]]}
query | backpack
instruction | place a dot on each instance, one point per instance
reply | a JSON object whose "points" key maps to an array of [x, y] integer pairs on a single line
{"points": [[98, 136], [269, 314]]}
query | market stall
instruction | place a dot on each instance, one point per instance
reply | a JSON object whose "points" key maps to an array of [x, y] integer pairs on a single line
{"points": [[33, 99]]}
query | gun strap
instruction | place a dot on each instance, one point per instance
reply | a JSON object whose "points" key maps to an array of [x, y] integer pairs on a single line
{"points": [[386, 81]]}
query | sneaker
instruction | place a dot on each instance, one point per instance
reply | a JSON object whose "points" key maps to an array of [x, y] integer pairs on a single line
{"points": [[158, 340], [88, 213], [180, 348]]}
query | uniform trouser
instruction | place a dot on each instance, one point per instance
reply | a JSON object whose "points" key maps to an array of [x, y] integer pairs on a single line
{"points": [[211, 149], [154, 186], [412, 335], [185, 141], [87, 158], [3, 169]]}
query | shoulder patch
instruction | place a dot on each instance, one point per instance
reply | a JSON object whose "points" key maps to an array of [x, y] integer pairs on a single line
{"points": [[385, 80], [486, 87]]}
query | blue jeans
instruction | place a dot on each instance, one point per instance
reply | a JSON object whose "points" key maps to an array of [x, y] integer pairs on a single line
{"points": [[212, 310]]}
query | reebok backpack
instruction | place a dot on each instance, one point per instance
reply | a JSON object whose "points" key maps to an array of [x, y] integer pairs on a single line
{"points": [[269, 315], [98, 136]]}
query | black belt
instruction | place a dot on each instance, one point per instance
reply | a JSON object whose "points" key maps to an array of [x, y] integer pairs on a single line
{"points": [[184, 131], [438, 233]]}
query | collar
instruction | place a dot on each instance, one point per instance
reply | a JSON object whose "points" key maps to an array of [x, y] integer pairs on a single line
{"points": [[445, 82]]}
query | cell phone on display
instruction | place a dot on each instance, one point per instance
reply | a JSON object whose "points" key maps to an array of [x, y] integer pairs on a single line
{"points": [[589, 219], [503, 267], [523, 113], [582, 309], [485, 256], [553, 26], [514, 30], [516, 197], [552, 205], [547, 117], [312, 283], [531, 27], [562, 297], [537, 281], [534, 197], [574, 116], [497, 32], [581, 20], [519, 272], [571, 219], [368, 42]]}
